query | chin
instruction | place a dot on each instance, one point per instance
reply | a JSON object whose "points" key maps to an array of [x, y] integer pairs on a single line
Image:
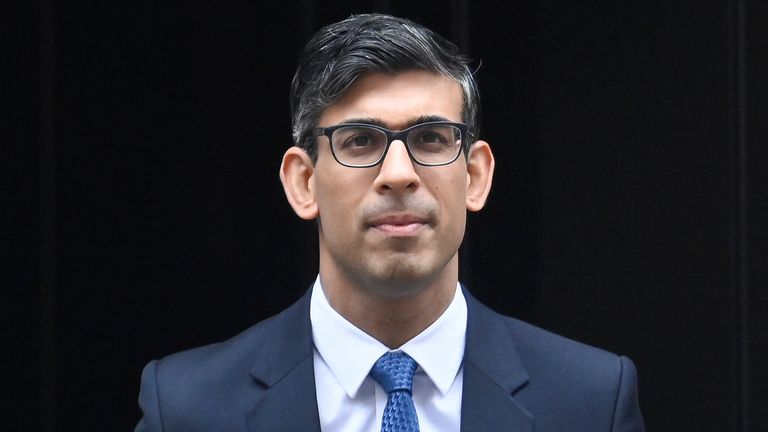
{"points": [[403, 277]]}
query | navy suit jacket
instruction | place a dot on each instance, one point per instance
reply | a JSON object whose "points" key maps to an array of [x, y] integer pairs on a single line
{"points": [[517, 377]]}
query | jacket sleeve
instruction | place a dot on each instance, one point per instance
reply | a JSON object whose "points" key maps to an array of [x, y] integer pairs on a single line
{"points": [[626, 414], [148, 401]]}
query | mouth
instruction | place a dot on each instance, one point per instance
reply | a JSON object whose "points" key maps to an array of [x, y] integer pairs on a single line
{"points": [[399, 224]]}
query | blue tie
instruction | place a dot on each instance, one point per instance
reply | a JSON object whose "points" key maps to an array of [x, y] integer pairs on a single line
{"points": [[394, 373]]}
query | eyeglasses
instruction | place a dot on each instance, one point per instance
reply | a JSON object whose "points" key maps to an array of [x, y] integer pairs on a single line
{"points": [[361, 145]]}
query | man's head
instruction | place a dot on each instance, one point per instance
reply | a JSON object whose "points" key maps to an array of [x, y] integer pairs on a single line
{"points": [[339, 53], [389, 224]]}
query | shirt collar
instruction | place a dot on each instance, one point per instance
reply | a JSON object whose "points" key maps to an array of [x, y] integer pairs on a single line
{"points": [[350, 353]]}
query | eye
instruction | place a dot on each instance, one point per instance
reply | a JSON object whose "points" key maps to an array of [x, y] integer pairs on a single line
{"points": [[357, 139], [430, 137], [364, 139]]}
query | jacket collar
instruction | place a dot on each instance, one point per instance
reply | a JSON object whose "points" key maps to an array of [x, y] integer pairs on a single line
{"points": [[493, 397], [286, 397]]}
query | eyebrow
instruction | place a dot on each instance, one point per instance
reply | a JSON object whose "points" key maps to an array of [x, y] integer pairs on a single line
{"points": [[411, 122]]}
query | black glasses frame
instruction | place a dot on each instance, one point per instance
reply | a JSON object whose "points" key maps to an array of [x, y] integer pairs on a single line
{"points": [[401, 135]]}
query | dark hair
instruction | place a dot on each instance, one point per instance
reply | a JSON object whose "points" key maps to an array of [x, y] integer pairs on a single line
{"points": [[338, 53]]}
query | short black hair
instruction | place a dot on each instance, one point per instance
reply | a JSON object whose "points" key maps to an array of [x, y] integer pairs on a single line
{"points": [[339, 53]]}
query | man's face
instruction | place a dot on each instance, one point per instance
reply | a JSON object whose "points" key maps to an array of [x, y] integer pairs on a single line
{"points": [[398, 225]]}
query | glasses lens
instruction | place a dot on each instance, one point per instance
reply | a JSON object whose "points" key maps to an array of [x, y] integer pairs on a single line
{"points": [[358, 145], [435, 144]]}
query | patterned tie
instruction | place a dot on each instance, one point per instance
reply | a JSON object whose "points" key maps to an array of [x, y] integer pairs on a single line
{"points": [[394, 373]]}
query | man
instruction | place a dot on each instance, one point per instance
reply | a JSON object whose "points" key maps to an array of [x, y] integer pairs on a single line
{"points": [[387, 161]]}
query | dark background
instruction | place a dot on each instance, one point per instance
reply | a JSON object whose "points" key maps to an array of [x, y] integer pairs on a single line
{"points": [[144, 213]]}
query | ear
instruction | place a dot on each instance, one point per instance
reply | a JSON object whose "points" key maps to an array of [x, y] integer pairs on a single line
{"points": [[480, 164], [296, 174]]}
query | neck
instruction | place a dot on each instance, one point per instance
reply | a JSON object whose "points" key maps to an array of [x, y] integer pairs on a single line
{"points": [[392, 319]]}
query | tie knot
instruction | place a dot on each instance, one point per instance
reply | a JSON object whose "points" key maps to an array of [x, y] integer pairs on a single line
{"points": [[394, 371]]}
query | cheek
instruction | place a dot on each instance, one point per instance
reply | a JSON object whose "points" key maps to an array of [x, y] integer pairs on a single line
{"points": [[454, 188], [338, 198], [451, 192]]}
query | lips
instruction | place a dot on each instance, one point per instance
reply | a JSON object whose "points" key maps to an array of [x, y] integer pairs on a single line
{"points": [[398, 224]]}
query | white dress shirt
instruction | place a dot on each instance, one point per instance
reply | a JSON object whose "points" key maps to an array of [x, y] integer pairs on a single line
{"points": [[349, 400]]}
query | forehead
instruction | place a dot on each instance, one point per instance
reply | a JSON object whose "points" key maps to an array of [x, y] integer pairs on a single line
{"points": [[396, 99]]}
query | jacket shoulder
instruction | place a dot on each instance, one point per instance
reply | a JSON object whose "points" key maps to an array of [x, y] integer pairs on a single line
{"points": [[240, 351], [535, 342], [215, 382], [563, 383], [590, 388]]}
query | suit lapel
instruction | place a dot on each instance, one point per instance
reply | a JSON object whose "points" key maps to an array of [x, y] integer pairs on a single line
{"points": [[284, 374], [493, 396]]}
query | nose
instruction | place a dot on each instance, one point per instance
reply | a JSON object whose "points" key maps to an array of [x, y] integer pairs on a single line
{"points": [[397, 173]]}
